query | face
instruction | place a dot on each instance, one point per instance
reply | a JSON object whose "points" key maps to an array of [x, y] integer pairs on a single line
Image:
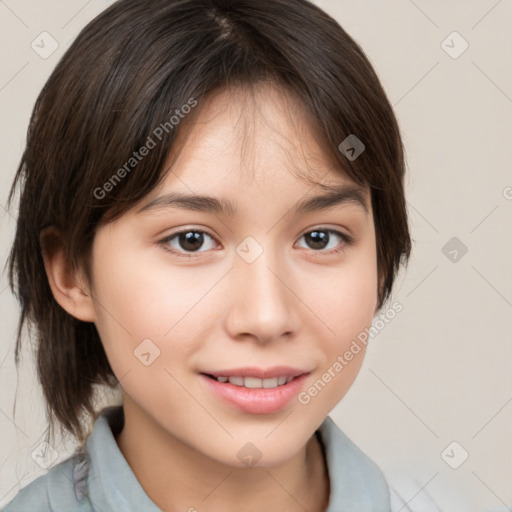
{"points": [[254, 286]]}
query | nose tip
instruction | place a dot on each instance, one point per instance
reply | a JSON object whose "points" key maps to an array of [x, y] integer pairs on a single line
{"points": [[261, 304]]}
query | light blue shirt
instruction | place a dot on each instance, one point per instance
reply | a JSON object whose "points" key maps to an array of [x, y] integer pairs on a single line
{"points": [[100, 480]]}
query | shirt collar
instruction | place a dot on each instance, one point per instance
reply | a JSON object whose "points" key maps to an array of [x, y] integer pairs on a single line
{"points": [[112, 483], [356, 483]]}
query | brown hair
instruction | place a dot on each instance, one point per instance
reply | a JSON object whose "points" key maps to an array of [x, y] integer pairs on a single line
{"points": [[128, 71]]}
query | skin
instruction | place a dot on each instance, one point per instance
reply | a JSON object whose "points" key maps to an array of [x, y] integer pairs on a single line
{"points": [[295, 305]]}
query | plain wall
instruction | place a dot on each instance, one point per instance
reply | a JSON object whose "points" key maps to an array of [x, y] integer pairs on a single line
{"points": [[440, 371]]}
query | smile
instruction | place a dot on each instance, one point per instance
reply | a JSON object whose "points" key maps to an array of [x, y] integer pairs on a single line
{"points": [[254, 382], [253, 390]]}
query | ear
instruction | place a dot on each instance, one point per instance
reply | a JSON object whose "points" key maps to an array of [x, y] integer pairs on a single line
{"points": [[68, 285]]}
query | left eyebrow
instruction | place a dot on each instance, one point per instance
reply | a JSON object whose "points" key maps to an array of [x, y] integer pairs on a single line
{"points": [[335, 196]]}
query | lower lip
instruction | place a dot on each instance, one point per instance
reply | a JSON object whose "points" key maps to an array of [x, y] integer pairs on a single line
{"points": [[256, 400]]}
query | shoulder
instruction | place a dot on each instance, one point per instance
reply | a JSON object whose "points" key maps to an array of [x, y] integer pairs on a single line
{"points": [[61, 488], [34, 496]]}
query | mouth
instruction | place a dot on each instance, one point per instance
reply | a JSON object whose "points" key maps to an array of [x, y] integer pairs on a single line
{"points": [[253, 382], [254, 390]]}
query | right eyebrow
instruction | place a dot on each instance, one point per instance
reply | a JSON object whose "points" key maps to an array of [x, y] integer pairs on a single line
{"points": [[200, 203]]}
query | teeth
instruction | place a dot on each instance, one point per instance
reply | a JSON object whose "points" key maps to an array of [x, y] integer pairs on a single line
{"points": [[237, 381], [253, 382], [270, 383]]}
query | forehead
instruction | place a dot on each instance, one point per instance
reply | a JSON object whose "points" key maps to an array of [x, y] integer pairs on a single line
{"points": [[252, 140]]}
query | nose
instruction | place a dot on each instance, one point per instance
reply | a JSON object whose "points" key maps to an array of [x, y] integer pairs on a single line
{"points": [[262, 303]]}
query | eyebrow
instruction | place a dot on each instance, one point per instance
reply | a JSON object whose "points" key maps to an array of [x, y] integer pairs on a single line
{"points": [[335, 196]]}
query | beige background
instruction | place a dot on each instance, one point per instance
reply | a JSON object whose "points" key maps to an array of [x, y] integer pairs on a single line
{"points": [[441, 370]]}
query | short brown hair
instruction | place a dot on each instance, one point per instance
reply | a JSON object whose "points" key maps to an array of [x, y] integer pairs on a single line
{"points": [[127, 71]]}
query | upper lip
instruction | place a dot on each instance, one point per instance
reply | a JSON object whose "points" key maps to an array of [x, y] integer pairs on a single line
{"points": [[259, 373]]}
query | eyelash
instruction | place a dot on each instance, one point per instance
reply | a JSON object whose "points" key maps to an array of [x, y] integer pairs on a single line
{"points": [[346, 241]]}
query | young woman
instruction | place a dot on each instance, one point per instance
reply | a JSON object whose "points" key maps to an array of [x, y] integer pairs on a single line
{"points": [[211, 214]]}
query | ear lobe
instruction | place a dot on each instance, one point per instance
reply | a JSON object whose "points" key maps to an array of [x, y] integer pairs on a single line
{"points": [[68, 286]]}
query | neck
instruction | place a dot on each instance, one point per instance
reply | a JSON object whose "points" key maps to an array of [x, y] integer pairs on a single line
{"points": [[175, 476]]}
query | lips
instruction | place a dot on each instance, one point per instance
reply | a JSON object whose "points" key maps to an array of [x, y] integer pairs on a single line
{"points": [[256, 390], [254, 382], [259, 373]]}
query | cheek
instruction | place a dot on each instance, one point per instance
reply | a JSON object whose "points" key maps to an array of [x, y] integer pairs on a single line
{"points": [[345, 297], [140, 296]]}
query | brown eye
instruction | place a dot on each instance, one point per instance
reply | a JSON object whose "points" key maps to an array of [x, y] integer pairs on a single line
{"points": [[318, 239], [186, 241], [321, 239], [190, 241]]}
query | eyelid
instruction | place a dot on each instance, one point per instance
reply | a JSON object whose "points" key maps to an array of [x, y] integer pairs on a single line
{"points": [[346, 240], [163, 242], [337, 230]]}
